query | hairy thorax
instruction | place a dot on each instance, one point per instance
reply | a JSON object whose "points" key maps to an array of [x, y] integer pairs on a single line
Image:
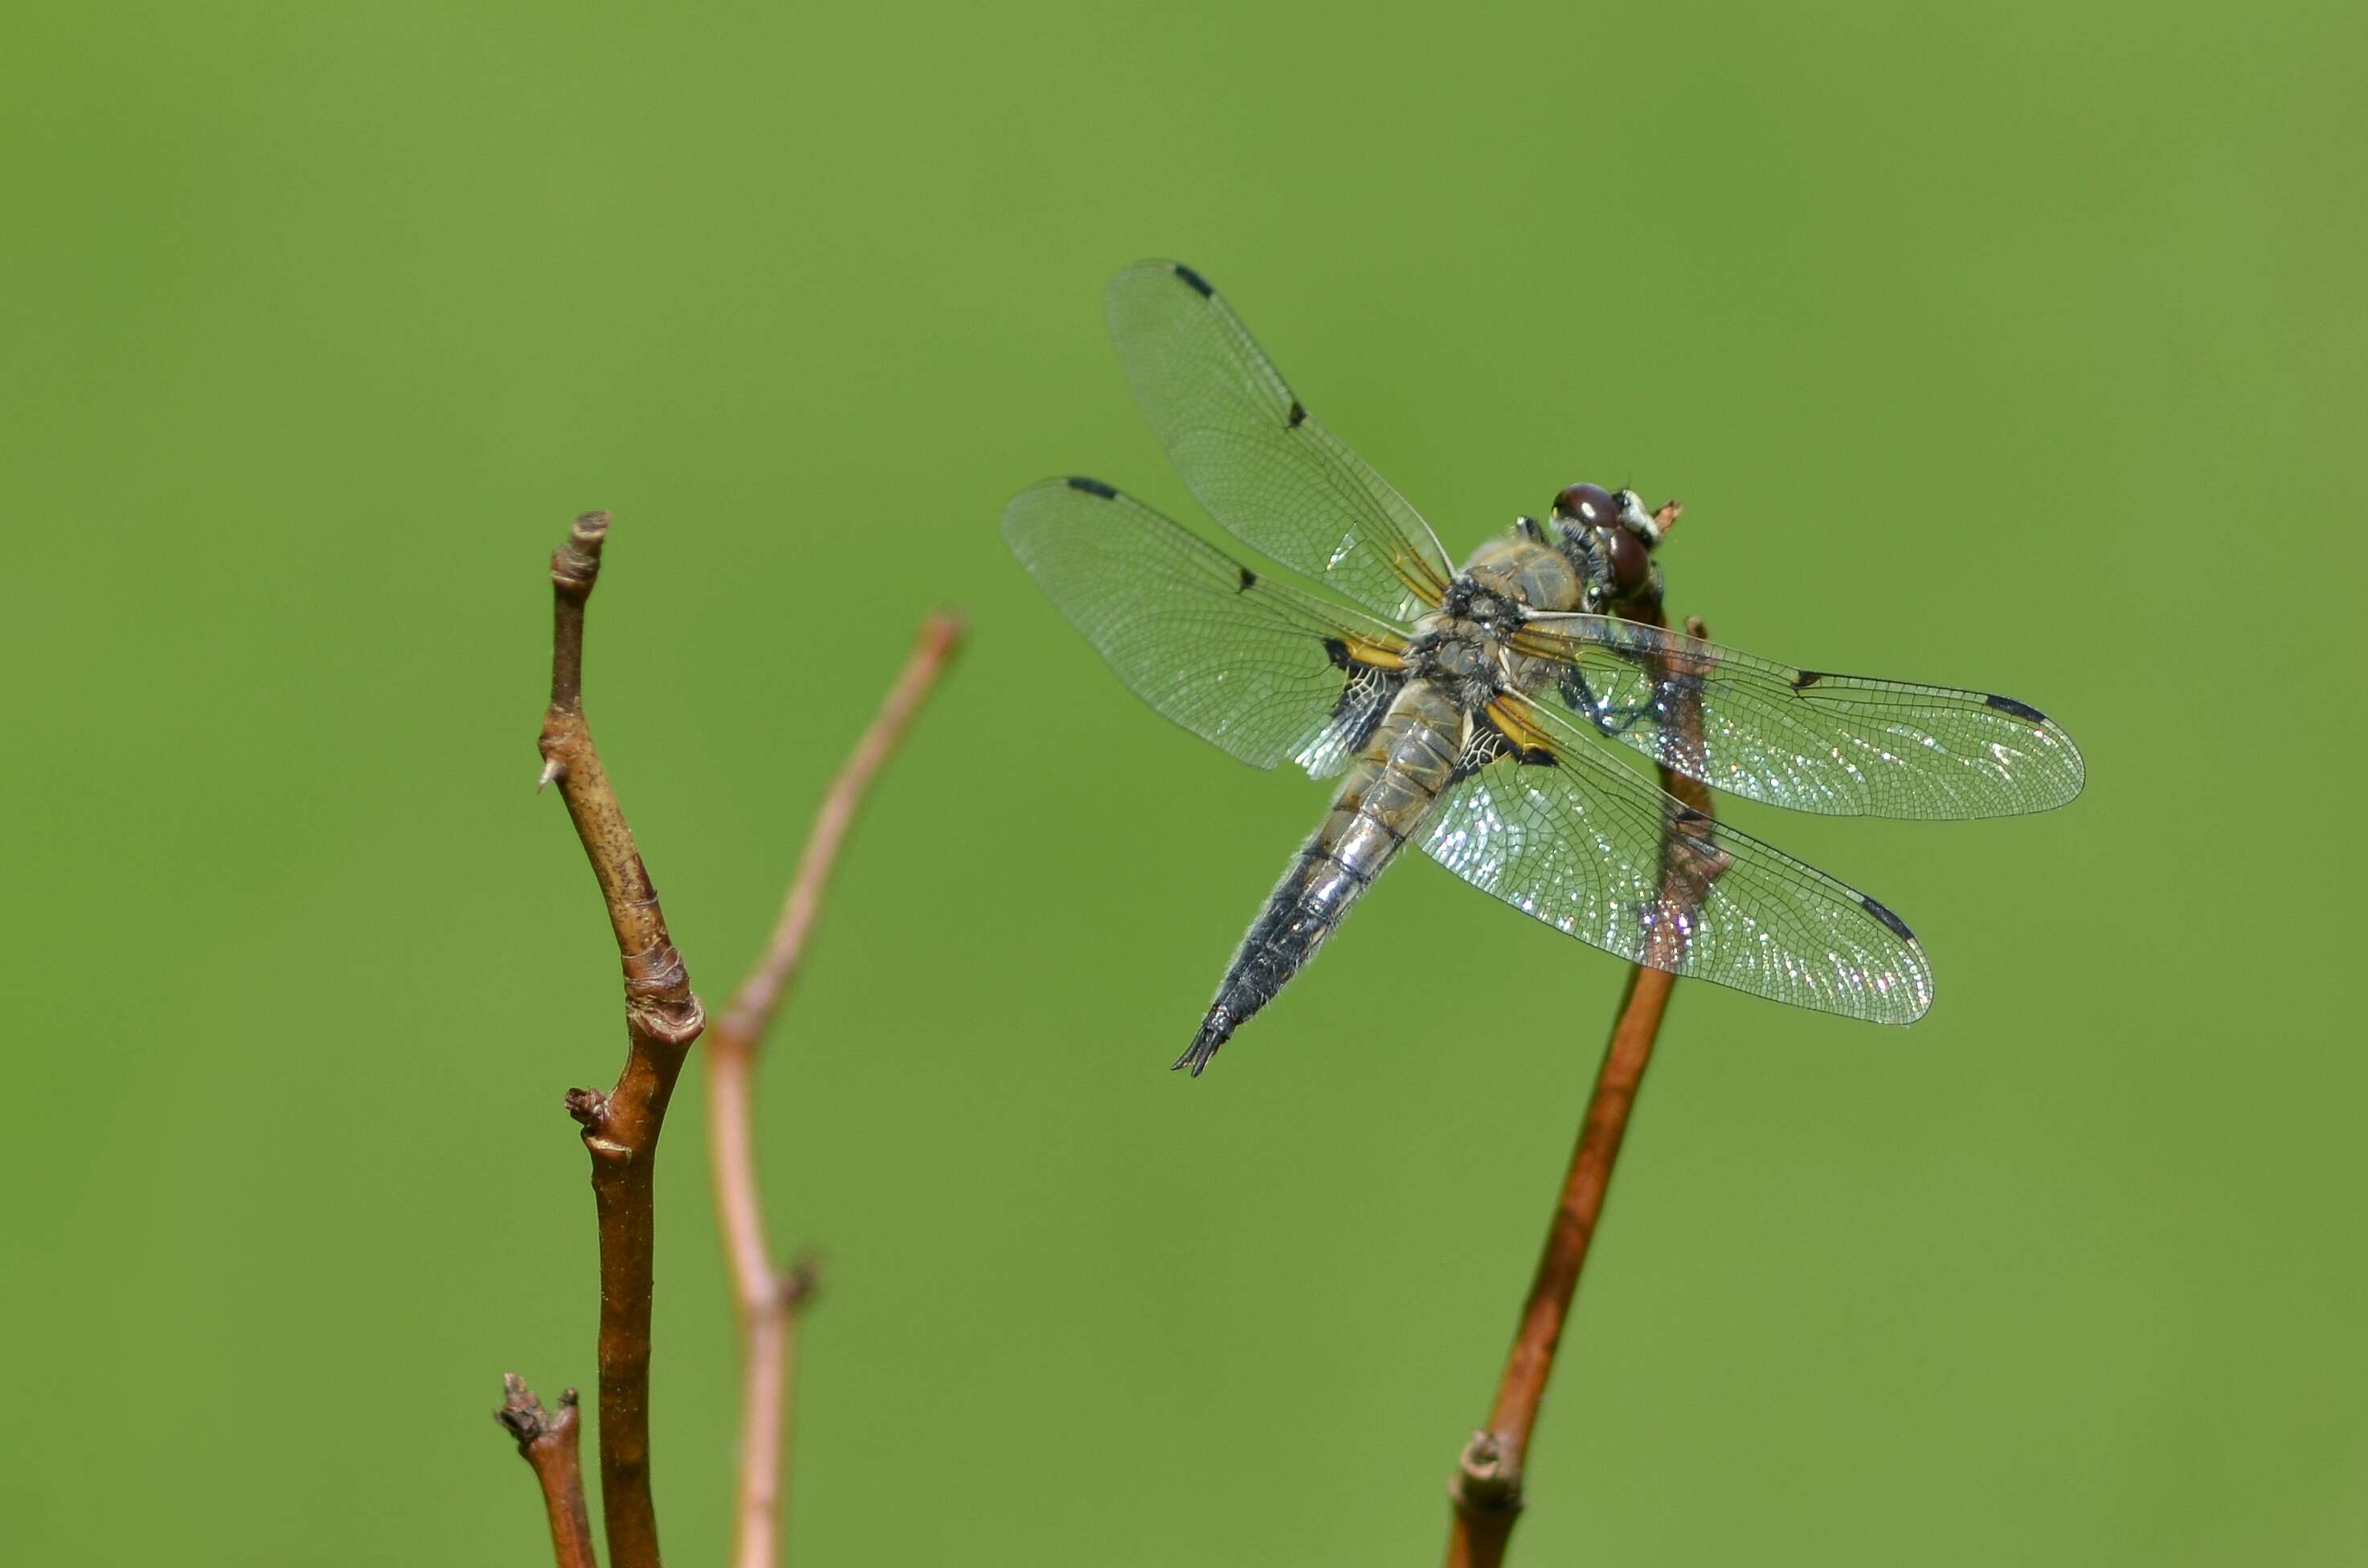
{"points": [[1464, 647]]}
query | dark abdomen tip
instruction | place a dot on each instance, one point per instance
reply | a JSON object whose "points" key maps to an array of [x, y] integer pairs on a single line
{"points": [[1215, 1029]]}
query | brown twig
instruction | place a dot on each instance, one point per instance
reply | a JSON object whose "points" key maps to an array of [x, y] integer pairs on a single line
{"points": [[1486, 1487], [662, 1019], [770, 1301], [548, 1442]]}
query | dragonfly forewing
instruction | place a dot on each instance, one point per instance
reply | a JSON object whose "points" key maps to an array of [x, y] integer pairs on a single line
{"points": [[1266, 673], [1808, 740], [1251, 453]]}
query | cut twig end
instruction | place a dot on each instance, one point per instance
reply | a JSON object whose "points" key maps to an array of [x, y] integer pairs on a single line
{"points": [[943, 631], [1488, 1476], [548, 1441], [525, 1418], [575, 565]]}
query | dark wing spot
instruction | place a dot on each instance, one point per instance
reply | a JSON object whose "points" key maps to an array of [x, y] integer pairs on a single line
{"points": [[1335, 650], [1685, 814], [1249, 580], [1195, 279], [1094, 487], [1806, 679], [1298, 413], [1364, 700], [1898, 926], [2020, 709], [1489, 746]]}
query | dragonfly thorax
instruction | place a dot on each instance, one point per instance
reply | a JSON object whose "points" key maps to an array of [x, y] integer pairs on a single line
{"points": [[1482, 595], [1465, 656]]}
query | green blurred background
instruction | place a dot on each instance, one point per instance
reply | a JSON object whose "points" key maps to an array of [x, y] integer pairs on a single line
{"points": [[2016, 346]]}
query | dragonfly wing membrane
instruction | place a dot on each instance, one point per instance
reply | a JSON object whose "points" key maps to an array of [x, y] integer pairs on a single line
{"points": [[1566, 834], [1267, 673], [1251, 453], [1841, 745]]}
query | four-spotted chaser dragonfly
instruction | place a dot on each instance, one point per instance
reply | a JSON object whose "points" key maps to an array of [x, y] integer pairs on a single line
{"points": [[1466, 711]]}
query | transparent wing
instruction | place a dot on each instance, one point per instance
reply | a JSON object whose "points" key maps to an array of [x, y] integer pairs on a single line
{"points": [[1565, 832], [1844, 746], [1267, 672], [1252, 454]]}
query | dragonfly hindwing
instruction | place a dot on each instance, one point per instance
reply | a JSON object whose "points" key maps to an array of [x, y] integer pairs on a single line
{"points": [[1502, 734], [1365, 698]]}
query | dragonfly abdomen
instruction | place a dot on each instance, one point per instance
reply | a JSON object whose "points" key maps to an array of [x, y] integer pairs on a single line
{"points": [[1389, 793]]}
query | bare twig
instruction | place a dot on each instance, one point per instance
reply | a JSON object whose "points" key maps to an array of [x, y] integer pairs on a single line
{"points": [[548, 1441], [662, 1019], [1486, 1487], [770, 1301]]}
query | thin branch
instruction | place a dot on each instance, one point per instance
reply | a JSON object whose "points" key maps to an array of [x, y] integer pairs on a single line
{"points": [[548, 1442], [770, 1301], [1486, 1487], [662, 1019]]}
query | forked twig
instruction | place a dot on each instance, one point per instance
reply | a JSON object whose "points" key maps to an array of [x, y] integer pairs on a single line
{"points": [[770, 1301], [548, 1442], [662, 1019], [1486, 1487]]}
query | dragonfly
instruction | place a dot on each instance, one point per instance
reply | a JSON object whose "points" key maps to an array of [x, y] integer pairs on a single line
{"points": [[1477, 713]]}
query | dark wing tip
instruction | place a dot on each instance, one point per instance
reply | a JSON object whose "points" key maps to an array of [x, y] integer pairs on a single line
{"points": [[1897, 926], [2022, 710], [1194, 278], [1093, 487]]}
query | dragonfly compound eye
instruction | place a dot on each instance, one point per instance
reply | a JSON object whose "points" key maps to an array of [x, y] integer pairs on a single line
{"points": [[1591, 504], [1631, 561]]}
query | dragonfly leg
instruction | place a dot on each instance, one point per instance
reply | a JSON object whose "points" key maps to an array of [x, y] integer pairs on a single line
{"points": [[1617, 721], [1613, 721]]}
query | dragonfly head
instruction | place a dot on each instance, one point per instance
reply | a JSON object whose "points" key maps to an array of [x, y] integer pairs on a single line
{"points": [[1613, 534]]}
